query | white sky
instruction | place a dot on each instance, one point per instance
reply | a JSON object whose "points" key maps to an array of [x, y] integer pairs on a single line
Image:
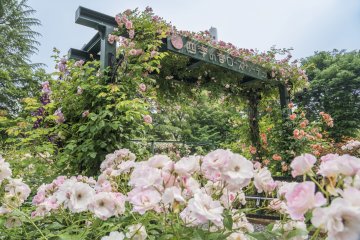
{"points": [[305, 25]]}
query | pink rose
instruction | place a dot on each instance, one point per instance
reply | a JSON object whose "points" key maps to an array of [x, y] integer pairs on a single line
{"points": [[128, 25], [142, 87], [302, 164], [292, 116], [148, 119], [132, 52], [303, 198], [111, 38], [131, 33], [153, 54], [85, 113]]}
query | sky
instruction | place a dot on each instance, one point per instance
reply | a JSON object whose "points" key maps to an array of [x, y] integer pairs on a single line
{"points": [[305, 25]]}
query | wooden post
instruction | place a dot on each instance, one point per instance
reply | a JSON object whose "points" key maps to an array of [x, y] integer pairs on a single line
{"points": [[284, 100], [253, 98]]}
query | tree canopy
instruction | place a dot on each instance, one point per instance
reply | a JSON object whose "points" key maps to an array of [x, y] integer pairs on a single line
{"points": [[18, 43], [334, 89]]}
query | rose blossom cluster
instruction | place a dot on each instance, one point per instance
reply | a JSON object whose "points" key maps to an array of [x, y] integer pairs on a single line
{"points": [[15, 191], [78, 194], [351, 145], [335, 207], [199, 188]]}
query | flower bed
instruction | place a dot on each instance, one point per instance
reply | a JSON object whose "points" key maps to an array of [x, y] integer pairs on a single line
{"points": [[197, 197]]}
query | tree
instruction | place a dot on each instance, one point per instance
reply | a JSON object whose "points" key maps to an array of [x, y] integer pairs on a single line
{"points": [[335, 89], [17, 44]]}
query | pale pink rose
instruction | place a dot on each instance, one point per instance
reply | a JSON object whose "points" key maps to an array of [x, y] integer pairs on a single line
{"points": [[45, 207], [5, 171], [340, 220], [257, 165], [147, 119], [119, 201], [19, 189], [142, 87], [39, 197], [329, 157], [162, 162], [145, 176], [103, 186], [352, 195], [80, 197], [214, 163], [205, 209], [345, 164], [103, 205], [238, 172], [169, 179], [302, 164], [190, 186], [125, 167], [63, 193], [189, 218], [302, 198], [144, 199], [187, 166], [59, 180], [263, 180], [171, 195]]}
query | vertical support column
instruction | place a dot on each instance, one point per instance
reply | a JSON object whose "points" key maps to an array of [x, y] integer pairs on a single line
{"points": [[107, 50], [284, 99], [253, 98]]}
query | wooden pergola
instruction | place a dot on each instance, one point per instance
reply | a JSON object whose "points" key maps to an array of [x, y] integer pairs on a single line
{"points": [[100, 49]]}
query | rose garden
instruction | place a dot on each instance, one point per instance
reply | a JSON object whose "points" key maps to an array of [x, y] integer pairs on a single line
{"points": [[150, 132]]}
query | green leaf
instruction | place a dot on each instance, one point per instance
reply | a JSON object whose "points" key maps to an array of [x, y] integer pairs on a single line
{"points": [[228, 222]]}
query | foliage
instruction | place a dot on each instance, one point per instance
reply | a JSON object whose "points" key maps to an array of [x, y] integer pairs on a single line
{"points": [[199, 120], [18, 78], [335, 89]]}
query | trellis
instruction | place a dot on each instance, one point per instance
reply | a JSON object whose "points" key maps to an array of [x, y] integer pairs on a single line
{"points": [[99, 48]]}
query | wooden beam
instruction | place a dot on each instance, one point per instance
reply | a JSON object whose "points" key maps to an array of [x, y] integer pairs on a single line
{"points": [[104, 24], [93, 19], [82, 55], [211, 55]]}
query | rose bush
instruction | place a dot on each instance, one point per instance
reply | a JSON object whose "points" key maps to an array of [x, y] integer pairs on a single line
{"points": [[194, 197]]}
